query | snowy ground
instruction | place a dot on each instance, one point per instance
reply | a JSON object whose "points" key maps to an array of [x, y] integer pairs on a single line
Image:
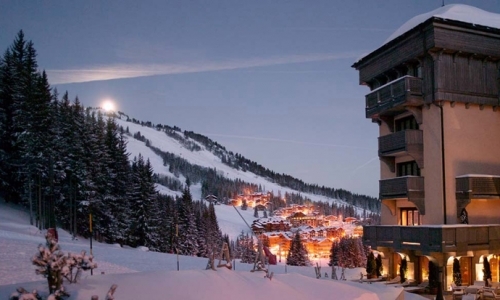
{"points": [[149, 275]]}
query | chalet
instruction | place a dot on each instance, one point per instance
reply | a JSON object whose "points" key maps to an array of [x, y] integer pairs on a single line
{"points": [[277, 234], [434, 94], [212, 199], [299, 219], [270, 224], [252, 200], [319, 247], [350, 220]]}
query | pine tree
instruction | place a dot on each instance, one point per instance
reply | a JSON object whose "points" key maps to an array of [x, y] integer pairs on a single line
{"points": [[351, 253], [334, 254], [116, 212], [361, 255], [248, 252], [202, 227], [214, 234], [371, 265], [240, 245], [18, 72], [144, 207], [297, 255], [187, 244]]}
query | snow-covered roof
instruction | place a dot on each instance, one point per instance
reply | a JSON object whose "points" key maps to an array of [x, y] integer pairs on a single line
{"points": [[478, 176], [457, 12]]}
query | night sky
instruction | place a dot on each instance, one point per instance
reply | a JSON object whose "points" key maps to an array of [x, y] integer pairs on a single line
{"points": [[271, 80]]}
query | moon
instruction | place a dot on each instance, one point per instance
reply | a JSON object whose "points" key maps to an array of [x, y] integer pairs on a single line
{"points": [[108, 105]]}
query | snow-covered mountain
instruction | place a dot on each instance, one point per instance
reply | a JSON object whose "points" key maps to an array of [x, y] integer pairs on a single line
{"points": [[182, 146]]}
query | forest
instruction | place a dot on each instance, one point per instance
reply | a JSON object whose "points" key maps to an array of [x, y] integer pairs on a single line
{"points": [[69, 166]]}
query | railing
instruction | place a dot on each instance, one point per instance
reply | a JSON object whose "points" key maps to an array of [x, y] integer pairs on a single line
{"points": [[400, 186], [478, 186], [399, 141], [392, 94], [434, 238]]}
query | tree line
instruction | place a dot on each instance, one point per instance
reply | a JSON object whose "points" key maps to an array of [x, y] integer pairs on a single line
{"points": [[213, 182]]}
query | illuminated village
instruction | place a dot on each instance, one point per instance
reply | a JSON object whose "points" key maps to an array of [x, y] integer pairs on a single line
{"points": [[276, 231]]}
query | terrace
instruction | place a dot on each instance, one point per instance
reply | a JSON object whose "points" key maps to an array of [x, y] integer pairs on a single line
{"points": [[457, 238]]}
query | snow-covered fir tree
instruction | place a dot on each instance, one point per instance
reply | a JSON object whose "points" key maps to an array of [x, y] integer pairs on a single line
{"points": [[202, 226], [246, 248], [145, 214], [54, 265], [187, 237], [297, 255], [334, 254], [351, 253]]}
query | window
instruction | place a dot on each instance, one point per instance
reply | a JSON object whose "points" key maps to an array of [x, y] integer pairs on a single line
{"points": [[409, 217], [415, 70], [418, 72], [409, 168], [406, 123]]}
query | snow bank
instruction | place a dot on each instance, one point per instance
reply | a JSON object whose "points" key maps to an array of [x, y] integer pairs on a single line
{"points": [[152, 275]]}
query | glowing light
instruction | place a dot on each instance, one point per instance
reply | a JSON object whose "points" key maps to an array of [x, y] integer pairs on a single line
{"points": [[108, 105]]}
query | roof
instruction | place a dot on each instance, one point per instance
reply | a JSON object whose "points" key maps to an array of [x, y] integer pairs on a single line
{"points": [[453, 12], [458, 12], [298, 215]]}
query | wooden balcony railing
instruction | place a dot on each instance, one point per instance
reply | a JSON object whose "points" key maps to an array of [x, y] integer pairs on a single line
{"points": [[478, 186], [434, 238], [401, 187], [474, 186], [395, 93], [400, 141]]}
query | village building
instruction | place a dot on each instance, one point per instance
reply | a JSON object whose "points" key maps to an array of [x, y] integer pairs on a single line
{"points": [[277, 232], [435, 87], [251, 200], [270, 224], [300, 218], [212, 199]]}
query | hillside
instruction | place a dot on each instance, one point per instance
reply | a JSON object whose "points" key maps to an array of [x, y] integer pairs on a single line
{"points": [[176, 155]]}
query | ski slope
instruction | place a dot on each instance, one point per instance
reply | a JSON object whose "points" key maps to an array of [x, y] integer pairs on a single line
{"points": [[202, 158]]}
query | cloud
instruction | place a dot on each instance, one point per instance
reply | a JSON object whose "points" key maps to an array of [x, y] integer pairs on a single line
{"points": [[120, 71], [284, 141]]}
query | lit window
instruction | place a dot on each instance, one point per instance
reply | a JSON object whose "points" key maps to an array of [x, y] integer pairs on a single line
{"points": [[409, 217]]}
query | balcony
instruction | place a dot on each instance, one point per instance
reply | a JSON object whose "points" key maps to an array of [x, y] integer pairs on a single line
{"points": [[404, 187], [475, 186], [403, 142], [434, 238], [401, 187], [393, 96]]}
